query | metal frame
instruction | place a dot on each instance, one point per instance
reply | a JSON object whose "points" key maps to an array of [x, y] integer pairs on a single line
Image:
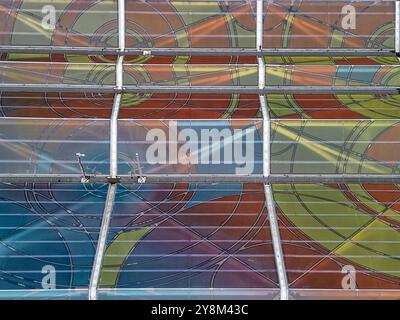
{"points": [[112, 188], [197, 51], [269, 198], [198, 89], [101, 242], [266, 177], [397, 29], [207, 178]]}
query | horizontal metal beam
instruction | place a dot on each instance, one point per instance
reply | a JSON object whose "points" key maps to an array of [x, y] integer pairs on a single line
{"points": [[206, 178], [59, 50], [57, 88], [200, 89], [266, 90], [197, 51]]}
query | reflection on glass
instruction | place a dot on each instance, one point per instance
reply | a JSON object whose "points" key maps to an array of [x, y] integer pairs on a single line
{"points": [[183, 236], [56, 104], [330, 75], [335, 146], [71, 23], [49, 146], [13, 72], [190, 147], [329, 24], [191, 75], [332, 232], [339, 106], [48, 230], [190, 24]]}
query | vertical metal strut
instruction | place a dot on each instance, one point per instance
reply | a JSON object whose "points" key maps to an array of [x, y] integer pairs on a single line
{"points": [[397, 29], [101, 242], [112, 188], [270, 203]]}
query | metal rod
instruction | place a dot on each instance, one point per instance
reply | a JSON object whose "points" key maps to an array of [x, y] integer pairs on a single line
{"points": [[197, 51], [266, 137], [5, 87], [269, 199], [397, 28], [119, 73], [276, 243], [138, 165], [201, 89], [112, 187], [209, 178], [81, 167], [260, 25], [121, 25], [101, 242], [114, 136], [266, 90]]}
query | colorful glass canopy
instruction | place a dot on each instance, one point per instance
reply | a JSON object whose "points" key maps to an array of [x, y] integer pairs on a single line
{"points": [[278, 122]]}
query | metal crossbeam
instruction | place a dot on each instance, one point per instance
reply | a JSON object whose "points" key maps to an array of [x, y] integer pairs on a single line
{"points": [[266, 89], [109, 204], [208, 178], [269, 199], [200, 51], [200, 89]]}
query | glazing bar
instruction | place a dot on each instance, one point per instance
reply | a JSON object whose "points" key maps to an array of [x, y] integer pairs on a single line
{"points": [[112, 187], [269, 199]]}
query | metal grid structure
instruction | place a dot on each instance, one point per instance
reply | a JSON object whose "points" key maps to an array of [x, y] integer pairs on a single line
{"points": [[268, 177]]}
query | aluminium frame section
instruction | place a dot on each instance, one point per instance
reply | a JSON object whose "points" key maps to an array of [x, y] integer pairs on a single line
{"points": [[397, 29], [112, 179], [201, 89], [333, 52], [269, 199], [208, 178]]}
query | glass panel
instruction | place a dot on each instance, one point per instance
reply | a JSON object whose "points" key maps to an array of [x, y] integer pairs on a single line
{"points": [[329, 24], [326, 75], [195, 24], [329, 106], [55, 105], [48, 229], [190, 147], [165, 238], [189, 294], [340, 294], [189, 106], [57, 73], [73, 23], [340, 236], [332, 60], [335, 146], [50, 146], [194, 75], [39, 294]]}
